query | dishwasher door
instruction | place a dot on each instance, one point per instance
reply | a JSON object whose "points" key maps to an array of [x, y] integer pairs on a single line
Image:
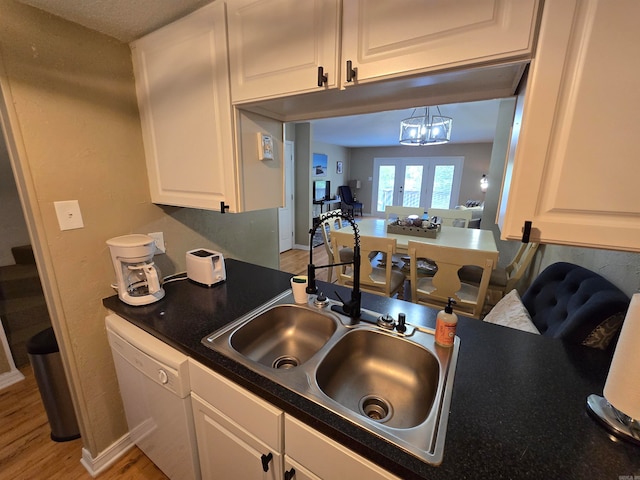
{"points": [[155, 390]]}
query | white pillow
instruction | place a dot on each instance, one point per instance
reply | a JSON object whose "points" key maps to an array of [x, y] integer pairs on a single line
{"points": [[510, 312]]}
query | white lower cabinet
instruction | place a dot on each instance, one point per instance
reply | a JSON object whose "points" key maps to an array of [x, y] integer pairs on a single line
{"points": [[228, 451], [240, 436]]}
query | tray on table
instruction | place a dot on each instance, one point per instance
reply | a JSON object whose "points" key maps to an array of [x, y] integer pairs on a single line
{"points": [[415, 231]]}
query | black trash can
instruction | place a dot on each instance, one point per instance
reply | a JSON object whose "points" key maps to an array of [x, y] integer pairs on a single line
{"points": [[45, 359]]}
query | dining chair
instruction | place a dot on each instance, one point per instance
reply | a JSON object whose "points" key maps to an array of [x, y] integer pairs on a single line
{"points": [[386, 281], [347, 199], [451, 217], [328, 226], [391, 211], [502, 280], [435, 291]]}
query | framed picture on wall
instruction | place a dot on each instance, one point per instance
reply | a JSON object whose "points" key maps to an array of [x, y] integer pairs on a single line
{"points": [[339, 167], [319, 165]]}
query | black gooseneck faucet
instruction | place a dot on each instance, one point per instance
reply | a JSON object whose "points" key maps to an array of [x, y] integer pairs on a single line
{"points": [[350, 308]]}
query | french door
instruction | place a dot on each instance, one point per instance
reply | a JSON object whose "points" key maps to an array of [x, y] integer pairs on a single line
{"points": [[416, 182]]}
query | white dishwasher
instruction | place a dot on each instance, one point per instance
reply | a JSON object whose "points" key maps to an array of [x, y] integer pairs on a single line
{"points": [[155, 389]]}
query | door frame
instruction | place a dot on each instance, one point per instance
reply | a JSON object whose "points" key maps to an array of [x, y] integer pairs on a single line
{"points": [[289, 185]]}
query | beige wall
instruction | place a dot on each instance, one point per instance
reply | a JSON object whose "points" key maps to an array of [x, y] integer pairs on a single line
{"points": [[75, 134], [477, 157]]}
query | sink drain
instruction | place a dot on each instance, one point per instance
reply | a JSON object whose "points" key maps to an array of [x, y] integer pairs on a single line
{"points": [[375, 408], [285, 362]]}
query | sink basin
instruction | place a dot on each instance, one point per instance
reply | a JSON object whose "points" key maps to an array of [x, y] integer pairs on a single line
{"points": [[385, 378], [394, 385], [285, 336]]}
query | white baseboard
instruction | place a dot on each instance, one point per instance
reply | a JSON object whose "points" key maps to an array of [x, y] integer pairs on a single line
{"points": [[106, 458], [301, 247], [10, 377]]}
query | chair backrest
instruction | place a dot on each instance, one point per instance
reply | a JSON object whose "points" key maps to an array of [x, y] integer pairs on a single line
{"points": [[371, 279], [577, 305], [452, 217], [345, 194], [334, 223], [446, 282], [519, 264], [401, 212]]}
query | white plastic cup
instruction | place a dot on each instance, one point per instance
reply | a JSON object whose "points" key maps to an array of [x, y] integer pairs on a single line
{"points": [[299, 288]]}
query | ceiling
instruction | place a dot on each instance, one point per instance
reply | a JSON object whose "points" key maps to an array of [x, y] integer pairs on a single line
{"points": [[128, 20], [473, 122], [125, 20]]}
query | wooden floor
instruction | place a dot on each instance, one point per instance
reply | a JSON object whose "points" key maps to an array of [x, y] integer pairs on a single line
{"points": [[26, 449], [296, 261], [28, 453]]}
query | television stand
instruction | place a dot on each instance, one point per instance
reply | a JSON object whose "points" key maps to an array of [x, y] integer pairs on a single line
{"points": [[322, 203]]}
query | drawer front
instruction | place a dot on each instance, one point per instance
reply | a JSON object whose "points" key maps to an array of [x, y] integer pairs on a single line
{"points": [[247, 410], [325, 458]]}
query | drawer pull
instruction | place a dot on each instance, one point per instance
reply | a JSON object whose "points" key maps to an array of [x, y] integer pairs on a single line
{"points": [[289, 474], [322, 77], [351, 72], [265, 461]]}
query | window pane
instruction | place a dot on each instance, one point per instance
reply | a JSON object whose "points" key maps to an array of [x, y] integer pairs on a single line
{"points": [[442, 185], [386, 180], [412, 185]]}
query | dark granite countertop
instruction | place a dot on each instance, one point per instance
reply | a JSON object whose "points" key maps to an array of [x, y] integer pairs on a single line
{"points": [[518, 406]]}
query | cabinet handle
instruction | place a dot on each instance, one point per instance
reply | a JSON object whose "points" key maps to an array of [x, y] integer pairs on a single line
{"points": [[223, 207], [351, 72], [322, 78], [288, 475], [526, 231], [265, 461]]}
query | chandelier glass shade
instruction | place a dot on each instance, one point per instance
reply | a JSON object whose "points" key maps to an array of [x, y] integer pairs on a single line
{"points": [[425, 129]]}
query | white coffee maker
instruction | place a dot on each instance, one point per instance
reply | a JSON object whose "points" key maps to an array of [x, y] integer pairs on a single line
{"points": [[138, 280]]}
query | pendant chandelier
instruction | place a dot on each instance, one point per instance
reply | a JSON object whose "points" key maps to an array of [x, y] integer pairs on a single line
{"points": [[426, 129]]}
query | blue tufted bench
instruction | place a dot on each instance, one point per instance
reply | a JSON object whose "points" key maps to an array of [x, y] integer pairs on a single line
{"points": [[574, 304]]}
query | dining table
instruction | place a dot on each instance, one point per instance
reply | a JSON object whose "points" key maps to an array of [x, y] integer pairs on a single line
{"points": [[458, 237]]}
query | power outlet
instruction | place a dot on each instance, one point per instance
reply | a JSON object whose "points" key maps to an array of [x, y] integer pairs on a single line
{"points": [[158, 238]]}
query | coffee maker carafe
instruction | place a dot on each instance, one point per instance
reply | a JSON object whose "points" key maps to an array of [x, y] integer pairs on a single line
{"points": [[138, 279]]}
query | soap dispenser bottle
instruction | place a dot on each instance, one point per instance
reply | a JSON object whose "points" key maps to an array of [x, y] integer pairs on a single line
{"points": [[446, 323]]}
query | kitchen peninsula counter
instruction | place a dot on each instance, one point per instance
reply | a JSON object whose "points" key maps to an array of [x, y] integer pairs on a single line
{"points": [[518, 405]]}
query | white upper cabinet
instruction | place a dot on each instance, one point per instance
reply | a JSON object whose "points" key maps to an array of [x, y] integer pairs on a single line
{"points": [[575, 174], [183, 96], [199, 152], [384, 39], [278, 46]]}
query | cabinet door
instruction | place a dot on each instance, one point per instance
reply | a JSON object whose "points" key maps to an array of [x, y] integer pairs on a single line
{"points": [[183, 94], [575, 174], [228, 451], [384, 39], [276, 47]]}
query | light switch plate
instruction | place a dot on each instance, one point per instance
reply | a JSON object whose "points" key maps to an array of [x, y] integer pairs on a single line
{"points": [[69, 215]]}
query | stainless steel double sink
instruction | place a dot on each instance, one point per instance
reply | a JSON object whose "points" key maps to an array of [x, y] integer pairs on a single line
{"points": [[395, 385]]}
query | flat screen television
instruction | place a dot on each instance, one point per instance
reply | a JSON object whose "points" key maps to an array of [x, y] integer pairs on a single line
{"points": [[321, 190]]}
